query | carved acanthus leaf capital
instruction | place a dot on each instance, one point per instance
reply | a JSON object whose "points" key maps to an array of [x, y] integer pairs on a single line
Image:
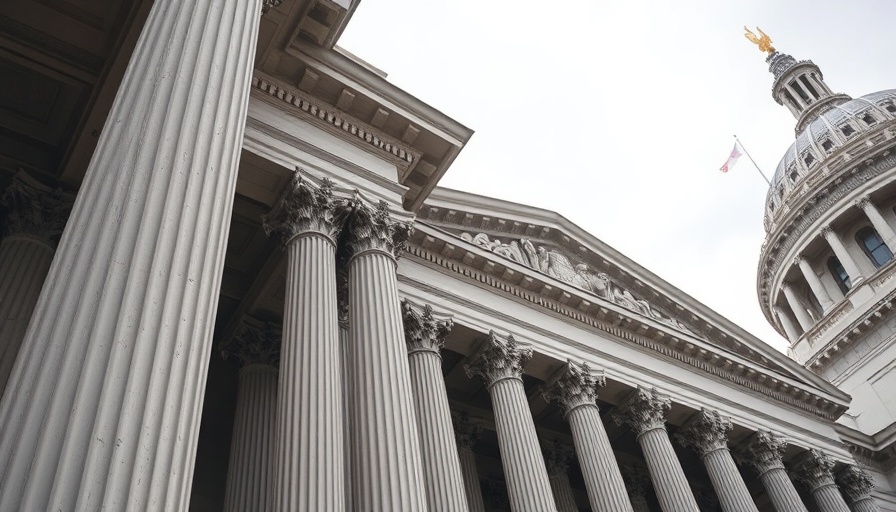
{"points": [[814, 469], [371, 228], [863, 202], [556, 458], [34, 209], [574, 387], [424, 331], [705, 432], [305, 207], [763, 451], [255, 342], [644, 410], [498, 360], [637, 480], [466, 431], [855, 483]]}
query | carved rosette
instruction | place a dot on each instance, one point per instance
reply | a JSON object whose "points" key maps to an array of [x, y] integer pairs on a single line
{"points": [[305, 207], [35, 210], [705, 432], [643, 411], [423, 331], [498, 360], [637, 480], [764, 451], [814, 469], [556, 458], [372, 228], [855, 483], [466, 431], [576, 386], [255, 343]]}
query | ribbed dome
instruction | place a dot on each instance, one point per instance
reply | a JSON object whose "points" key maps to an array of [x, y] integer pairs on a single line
{"points": [[819, 145]]}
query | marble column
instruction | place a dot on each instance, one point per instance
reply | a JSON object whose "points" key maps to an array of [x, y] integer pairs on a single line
{"points": [[425, 336], [556, 458], [802, 316], [467, 434], [764, 452], [645, 412], [883, 228], [707, 433], [790, 329], [35, 216], [849, 264], [499, 363], [814, 468], [308, 472], [256, 348], [575, 390], [385, 445], [104, 409], [856, 485], [637, 483], [821, 293]]}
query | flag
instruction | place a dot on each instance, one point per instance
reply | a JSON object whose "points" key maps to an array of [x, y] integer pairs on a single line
{"points": [[732, 159]]}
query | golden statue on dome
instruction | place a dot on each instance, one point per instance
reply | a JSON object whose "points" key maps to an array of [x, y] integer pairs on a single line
{"points": [[763, 41]]}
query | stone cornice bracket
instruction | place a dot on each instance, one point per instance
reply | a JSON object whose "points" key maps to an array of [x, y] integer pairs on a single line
{"points": [[423, 330], [371, 227], [574, 385], [763, 452], [34, 209], [855, 483], [814, 469], [498, 360], [255, 342], [466, 431], [644, 410], [266, 5], [705, 432], [305, 207], [556, 457], [637, 480]]}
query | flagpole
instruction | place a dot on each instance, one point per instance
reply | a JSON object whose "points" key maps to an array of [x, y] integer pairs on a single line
{"points": [[739, 143]]}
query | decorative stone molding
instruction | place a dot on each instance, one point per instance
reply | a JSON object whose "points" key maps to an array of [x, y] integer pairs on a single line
{"points": [[574, 387], [814, 469], [423, 331], [763, 452], [466, 431], [34, 209], [305, 207], [371, 228], [637, 480], [556, 457], [855, 483], [255, 343], [851, 333], [883, 460], [498, 360], [705, 432], [644, 410]]}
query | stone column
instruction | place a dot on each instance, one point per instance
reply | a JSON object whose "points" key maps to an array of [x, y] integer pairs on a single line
{"points": [[707, 433], [790, 329], [883, 228], [386, 466], [849, 264], [467, 434], [556, 458], [575, 390], [821, 293], [35, 216], [814, 469], [645, 412], [249, 472], [802, 316], [425, 337], [764, 452], [856, 485], [104, 409], [308, 474], [500, 365], [637, 482]]}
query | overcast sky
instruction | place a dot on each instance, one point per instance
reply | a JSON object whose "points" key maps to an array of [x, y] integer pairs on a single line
{"points": [[618, 114]]}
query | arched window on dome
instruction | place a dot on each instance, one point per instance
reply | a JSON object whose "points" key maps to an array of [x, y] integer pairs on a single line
{"points": [[874, 246], [839, 274]]}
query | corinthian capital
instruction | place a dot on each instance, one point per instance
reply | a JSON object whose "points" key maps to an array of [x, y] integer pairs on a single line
{"points": [[855, 483], [255, 343], [814, 469], [556, 458], [423, 331], [705, 432], [644, 410], [574, 387], [498, 360], [34, 209], [466, 431], [305, 207], [372, 228], [637, 480], [763, 451]]}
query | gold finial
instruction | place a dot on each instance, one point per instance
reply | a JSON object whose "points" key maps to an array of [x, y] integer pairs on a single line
{"points": [[762, 41]]}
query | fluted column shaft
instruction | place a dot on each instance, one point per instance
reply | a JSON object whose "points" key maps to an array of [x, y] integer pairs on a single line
{"points": [[764, 452], [249, 472], [849, 264], [829, 499], [727, 482], [883, 228], [781, 491], [639, 504], [865, 505], [814, 468], [821, 293], [103, 405], [802, 316], [470, 474], [790, 328], [563, 495]]}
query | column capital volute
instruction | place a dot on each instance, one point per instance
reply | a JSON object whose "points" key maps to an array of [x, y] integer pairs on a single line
{"points": [[255, 342], [644, 410], [814, 469], [763, 451], [557, 457], [35, 210], [637, 480], [574, 385], [498, 359], [424, 331], [466, 431], [705, 432], [374, 227], [307, 206], [863, 202], [855, 483]]}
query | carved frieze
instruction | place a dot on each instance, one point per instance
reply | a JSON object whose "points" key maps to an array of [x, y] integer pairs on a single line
{"points": [[423, 331], [575, 386]]}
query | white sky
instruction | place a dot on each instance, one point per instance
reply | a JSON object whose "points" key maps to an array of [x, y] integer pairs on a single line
{"points": [[618, 114]]}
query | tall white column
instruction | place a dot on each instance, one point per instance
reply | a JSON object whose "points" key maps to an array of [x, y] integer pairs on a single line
{"points": [[707, 433], [802, 316], [308, 474], [35, 216], [790, 329], [575, 390], [856, 485], [645, 412], [104, 406], [764, 452], [386, 466], [425, 337], [637, 483], [467, 433], [249, 472], [500, 365], [883, 228], [556, 458], [821, 293], [849, 264], [814, 469]]}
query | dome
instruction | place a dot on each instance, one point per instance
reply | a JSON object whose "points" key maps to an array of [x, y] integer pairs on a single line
{"points": [[819, 146]]}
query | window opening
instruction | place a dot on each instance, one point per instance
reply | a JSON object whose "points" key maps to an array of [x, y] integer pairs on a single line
{"points": [[874, 246], [839, 273]]}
